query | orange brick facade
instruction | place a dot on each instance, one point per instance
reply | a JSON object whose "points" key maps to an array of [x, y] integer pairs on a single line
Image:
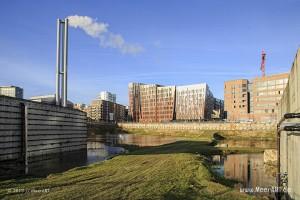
{"points": [[151, 103], [155, 103]]}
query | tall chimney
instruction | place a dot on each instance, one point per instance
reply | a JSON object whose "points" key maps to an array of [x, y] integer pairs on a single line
{"points": [[61, 96]]}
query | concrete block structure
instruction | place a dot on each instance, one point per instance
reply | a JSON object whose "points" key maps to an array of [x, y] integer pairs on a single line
{"points": [[157, 103], [11, 91], [255, 100], [267, 92], [49, 99], [290, 140]]}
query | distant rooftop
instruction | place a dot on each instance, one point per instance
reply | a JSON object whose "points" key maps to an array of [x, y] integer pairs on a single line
{"points": [[9, 86]]}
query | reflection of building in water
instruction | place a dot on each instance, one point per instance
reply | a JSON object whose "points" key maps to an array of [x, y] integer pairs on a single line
{"points": [[145, 141], [269, 144], [248, 169], [99, 151], [130, 139]]}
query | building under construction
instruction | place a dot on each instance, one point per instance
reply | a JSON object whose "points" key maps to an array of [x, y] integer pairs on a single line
{"points": [[255, 100], [157, 103]]}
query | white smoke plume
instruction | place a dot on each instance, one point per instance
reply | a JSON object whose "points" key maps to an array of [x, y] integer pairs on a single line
{"points": [[100, 31]]}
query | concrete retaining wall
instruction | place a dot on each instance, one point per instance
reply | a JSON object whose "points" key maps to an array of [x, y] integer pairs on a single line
{"points": [[204, 129], [290, 141], [34, 129], [202, 126]]}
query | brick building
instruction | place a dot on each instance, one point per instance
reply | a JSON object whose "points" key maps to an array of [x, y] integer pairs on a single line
{"points": [[267, 92], [107, 111], [157, 103], [255, 100], [236, 99]]}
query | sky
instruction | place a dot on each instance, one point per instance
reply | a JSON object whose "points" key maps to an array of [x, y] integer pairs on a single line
{"points": [[166, 42]]}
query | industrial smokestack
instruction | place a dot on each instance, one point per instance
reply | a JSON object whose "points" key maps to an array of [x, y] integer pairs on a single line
{"points": [[65, 88], [57, 92], [62, 63]]}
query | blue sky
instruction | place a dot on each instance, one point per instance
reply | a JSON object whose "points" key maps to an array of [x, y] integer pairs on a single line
{"points": [[184, 42]]}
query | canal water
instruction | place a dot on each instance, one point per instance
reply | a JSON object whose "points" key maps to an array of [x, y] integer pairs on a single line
{"points": [[99, 148], [249, 170], [253, 176]]}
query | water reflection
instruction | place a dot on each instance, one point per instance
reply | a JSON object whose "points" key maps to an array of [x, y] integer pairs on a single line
{"points": [[248, 169], [99, 151], [265, 144], [131, 139], [99, 148]]}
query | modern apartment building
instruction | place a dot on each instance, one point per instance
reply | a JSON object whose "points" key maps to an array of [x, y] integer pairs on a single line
{"points": [[194, 102], [157, 103], [255, 100], [107, 96], [107, 111], [165, 103], [151, 103], [134, 109], [11, 91]]}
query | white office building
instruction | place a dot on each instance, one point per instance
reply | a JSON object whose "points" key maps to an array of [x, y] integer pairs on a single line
{"points": [[194, 102], [107, 96], [11, 91]]}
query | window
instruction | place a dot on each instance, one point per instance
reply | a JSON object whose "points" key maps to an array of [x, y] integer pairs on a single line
{"points": [[271, 83], [278, 82]]}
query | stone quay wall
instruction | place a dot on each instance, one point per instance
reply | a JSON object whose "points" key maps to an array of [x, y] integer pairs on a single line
{"points": [[222, 126], [206, 129]]}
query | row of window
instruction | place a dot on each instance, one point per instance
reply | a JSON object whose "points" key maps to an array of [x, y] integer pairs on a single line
{"points": [[265, 111], [271, 82], [279, 92], [271, 87]]}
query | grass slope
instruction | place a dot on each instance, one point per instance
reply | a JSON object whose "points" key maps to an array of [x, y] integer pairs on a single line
{"points": [[172, 171]]}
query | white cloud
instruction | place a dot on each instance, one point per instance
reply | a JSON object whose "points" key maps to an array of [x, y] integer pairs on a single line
{"points": [[100, 30]]}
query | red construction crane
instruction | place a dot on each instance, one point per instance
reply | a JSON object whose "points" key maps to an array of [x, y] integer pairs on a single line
{"points": [[262, 65]]}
